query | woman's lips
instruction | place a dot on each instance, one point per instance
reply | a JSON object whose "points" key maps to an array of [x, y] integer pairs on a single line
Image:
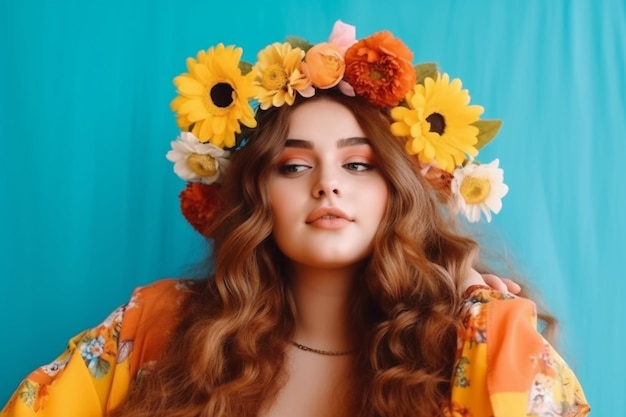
{"points": [[328, 218]]}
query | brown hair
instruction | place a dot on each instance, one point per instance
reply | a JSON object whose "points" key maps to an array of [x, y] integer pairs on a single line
{"points": [[226, 358]]}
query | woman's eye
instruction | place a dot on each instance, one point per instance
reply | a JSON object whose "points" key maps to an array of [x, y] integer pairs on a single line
{"points": [[292, 168], [358, 166]]}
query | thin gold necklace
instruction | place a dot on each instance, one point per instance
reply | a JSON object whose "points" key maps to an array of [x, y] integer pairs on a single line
{"points": [[322, 352]]}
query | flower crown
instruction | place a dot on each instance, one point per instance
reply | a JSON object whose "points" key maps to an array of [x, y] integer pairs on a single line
{"points": [[220, 93]]}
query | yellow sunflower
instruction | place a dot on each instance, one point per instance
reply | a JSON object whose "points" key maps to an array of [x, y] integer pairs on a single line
{"points": [[214, 96], [438, 119], [278, 76]]}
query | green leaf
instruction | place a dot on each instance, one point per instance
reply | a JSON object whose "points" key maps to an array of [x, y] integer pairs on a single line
{"points": [[297, 42], [488, 129], [425, 70], [245, 67]]}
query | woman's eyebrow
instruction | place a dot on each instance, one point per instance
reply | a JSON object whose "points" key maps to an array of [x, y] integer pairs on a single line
{"points": [[298, 143], [341, 143]]}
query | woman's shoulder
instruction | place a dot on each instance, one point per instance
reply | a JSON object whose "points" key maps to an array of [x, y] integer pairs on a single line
{"points": [[152, 304], [159, 296], [105, 359], [151, 315], [164, 287], [504, 364]]}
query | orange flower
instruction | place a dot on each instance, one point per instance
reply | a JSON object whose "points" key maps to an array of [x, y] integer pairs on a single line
{"points": [[379, 68], [324, 65], [439, 180], [199, 203]]}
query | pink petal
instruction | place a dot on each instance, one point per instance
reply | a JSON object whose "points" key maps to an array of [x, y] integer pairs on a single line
{"points": [[346, 88], [307, 92], [343, 35]]}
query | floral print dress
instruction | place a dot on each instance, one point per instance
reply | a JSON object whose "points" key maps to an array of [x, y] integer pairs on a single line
{"points": [[504, 367]]}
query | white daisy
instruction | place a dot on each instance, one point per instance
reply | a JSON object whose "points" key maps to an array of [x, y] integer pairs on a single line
{"points": [[479, 188], [197, 161]]}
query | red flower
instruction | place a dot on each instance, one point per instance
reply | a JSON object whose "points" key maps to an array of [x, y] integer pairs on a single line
{"points": [[199, 203], [379, 68]]}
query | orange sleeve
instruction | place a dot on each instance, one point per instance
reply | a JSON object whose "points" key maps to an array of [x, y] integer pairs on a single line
{"points": [[95, 372], [505, 368]]}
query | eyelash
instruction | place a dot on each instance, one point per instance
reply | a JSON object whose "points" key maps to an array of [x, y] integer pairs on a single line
{"points": [[290, 169], [363, 166]]}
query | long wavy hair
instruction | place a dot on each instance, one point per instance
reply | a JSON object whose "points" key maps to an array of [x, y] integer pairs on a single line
{"points": [[226, 358]]}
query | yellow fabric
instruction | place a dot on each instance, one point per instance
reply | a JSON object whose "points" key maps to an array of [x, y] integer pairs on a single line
{"points": [[95, 372], [504, 366]]}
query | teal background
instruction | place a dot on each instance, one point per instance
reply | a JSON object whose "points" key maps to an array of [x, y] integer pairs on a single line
{"points": [[88, 202]]}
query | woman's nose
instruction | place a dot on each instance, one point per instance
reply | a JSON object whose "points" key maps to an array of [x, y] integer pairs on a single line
{"points": [[326, 185]]}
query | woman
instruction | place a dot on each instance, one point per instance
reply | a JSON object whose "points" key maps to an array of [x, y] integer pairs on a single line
{"points": [[340, 284]]}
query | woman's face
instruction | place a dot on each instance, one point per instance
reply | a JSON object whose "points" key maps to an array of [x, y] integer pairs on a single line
{"points": [[326, 193]]}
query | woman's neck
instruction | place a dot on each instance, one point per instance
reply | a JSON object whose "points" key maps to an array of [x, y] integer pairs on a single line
{"points": [[323, 307]]}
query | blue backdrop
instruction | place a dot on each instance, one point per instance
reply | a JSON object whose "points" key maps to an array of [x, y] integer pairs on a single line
{"points": [[88, 202]]}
